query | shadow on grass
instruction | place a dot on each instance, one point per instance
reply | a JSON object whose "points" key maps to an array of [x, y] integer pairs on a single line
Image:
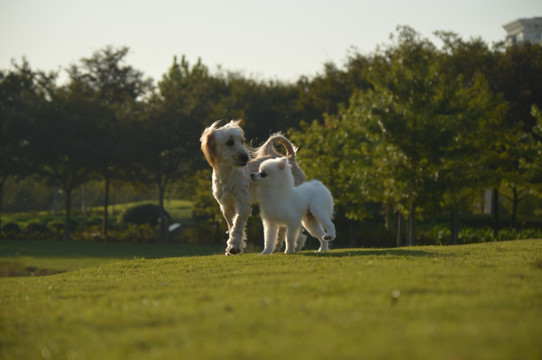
{"points": [[16, 269], [72, 249], [374, 252], [34, 258]]}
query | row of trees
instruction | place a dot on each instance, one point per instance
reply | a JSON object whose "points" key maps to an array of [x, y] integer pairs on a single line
{"points": [[110, 123], [412, 127], [435, 126]]}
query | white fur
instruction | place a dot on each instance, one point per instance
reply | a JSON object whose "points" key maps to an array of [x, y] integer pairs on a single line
{"points": [[283, 204], [225, 150]]}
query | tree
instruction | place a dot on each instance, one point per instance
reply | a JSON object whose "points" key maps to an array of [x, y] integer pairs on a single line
{"points": [[478, 115], [325, 93], [411, 141], [116, 89], [188, 97], [438, 119], [58, 145], [19, 93], [536, 165], [264, 107], [340, 152], [517, 75]]}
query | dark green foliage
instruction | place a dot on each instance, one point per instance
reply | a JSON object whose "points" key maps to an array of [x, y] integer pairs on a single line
{"points": [[142, 214], [37, 231], [11, 228], [37, 227], [58, 225]]}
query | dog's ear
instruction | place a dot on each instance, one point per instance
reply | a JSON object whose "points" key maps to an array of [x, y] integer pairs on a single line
{"points": [[236, 124], [208, 146], [282, 163]]}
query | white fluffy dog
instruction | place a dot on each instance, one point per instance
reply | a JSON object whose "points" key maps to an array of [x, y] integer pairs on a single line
{"points": [[232, 163], [284, 204]]}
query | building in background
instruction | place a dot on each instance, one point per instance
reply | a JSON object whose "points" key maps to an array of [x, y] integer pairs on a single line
{"points": [[524, 30]]}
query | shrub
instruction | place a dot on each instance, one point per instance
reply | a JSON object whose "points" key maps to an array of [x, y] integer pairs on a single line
{"points": [[138, 234], [142, 214], [130, 234], [58, 225], [90, 233], [92, 221], [36, 226], [37, 230], [11, 228]]}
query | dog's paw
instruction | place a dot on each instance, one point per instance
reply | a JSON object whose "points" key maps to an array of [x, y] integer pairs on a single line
{"points": [[233, 251]]}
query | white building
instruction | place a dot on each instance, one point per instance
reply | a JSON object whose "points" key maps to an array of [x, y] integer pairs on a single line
{"points": [[524, 30]]}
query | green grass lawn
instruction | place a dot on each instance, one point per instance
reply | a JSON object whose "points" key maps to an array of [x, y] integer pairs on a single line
{"points": [[481, 301]]}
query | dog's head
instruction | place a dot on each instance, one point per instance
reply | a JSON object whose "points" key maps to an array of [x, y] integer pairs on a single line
{"points": [[225, 145], [274, 171]]}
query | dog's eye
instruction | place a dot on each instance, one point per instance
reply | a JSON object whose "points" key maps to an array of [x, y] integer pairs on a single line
{"points": [[263, 174], [230, 143]]}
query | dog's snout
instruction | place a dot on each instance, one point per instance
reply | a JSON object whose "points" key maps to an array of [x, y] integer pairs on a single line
{"points": [[253, 176], [243, 158]]}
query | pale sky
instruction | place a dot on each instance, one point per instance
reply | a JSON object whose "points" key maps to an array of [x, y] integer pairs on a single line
{"points": [[278, 39]]}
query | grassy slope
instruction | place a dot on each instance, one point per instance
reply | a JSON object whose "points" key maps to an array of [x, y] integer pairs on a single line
{"points": [[479, 301]]}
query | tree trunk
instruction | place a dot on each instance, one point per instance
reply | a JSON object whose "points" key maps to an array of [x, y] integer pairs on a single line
{"points": [[454, 227], [411, 237], [68, 209], [398, 228], [163, 221], [515, 202], [105, 219], [495, 211], [1, 192], [55, 201], [84, 200]]}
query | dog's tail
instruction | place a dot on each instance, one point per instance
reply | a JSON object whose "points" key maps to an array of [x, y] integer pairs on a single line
{"points": [[268, 148]]}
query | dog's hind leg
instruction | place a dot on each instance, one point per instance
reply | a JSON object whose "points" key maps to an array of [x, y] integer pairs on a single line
{"points": [[311, 224], [323, 216], [300, 243], [280, 239]]}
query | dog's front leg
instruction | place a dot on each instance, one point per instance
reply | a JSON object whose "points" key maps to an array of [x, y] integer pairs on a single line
{"points": [[291, 237], [229, 215], [270, 232], [237, 238]]}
